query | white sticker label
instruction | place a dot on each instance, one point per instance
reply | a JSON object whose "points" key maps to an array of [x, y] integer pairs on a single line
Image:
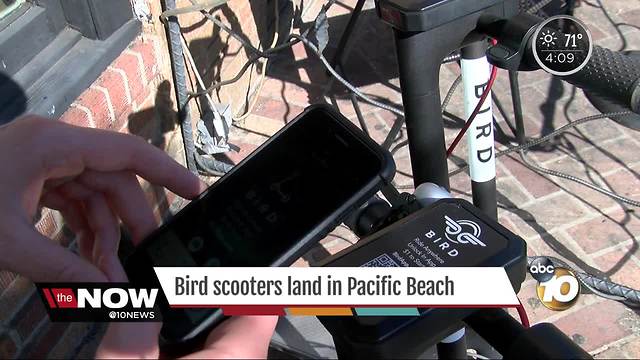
{"points": [[482, 161]]}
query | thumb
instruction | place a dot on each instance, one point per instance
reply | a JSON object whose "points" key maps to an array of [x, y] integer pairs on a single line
{"points": [[42, 260], [126, 339], [130, 340], [37, 257]]}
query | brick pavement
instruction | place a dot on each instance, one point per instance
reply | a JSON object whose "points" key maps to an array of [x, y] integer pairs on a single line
{"points": [[556, 217]]}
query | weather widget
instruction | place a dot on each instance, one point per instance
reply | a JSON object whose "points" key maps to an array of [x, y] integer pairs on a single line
{"points": [[562, 45]]}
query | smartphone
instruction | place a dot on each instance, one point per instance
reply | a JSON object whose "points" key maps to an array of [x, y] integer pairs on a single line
{"points": [[269, 210]]}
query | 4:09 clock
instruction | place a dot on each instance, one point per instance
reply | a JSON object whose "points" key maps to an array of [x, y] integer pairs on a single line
{"points": [[562, 45]]}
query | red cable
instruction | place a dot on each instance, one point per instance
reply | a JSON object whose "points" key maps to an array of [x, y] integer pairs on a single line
{"points": [[485, 94], [524, 319], [492, 78]]}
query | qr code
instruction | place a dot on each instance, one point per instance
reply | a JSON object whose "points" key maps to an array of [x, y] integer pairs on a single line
{"points": [[383, 260]]}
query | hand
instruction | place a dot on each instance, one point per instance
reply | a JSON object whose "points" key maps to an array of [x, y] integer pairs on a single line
{"points": [[89, 175], [239, 337]]}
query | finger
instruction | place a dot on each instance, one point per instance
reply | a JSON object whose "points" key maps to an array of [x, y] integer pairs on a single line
{"points": [[49, 262], [104, 150], [122, 340], [54, 183], [202, 187], [67, 207], [229, 340], [106, 228], [130, 341], [78, 193], [125, 340], [75, 190], [127, 198], [73, 213]]}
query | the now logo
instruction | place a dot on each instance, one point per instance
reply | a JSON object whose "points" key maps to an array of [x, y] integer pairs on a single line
{"points": [[99, 302], [96, 298], [116, 298]]}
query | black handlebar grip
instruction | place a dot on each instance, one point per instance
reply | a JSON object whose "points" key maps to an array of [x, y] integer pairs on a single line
{"points": [[610, 74]]}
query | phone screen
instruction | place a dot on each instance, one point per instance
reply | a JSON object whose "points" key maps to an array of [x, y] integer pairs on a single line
{"points": [[265, 206]]}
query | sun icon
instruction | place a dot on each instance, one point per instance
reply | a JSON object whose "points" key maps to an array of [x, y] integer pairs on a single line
{"points": [[548, 38]]}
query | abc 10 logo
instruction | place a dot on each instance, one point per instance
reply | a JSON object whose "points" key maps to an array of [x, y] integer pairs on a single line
{"points": [[558, 288]]}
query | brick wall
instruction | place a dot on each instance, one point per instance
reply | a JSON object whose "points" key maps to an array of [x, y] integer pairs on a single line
{"points": [[135, 95]]}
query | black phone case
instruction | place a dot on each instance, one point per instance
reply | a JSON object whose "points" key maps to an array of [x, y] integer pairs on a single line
{"points": [[383, 178]]}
